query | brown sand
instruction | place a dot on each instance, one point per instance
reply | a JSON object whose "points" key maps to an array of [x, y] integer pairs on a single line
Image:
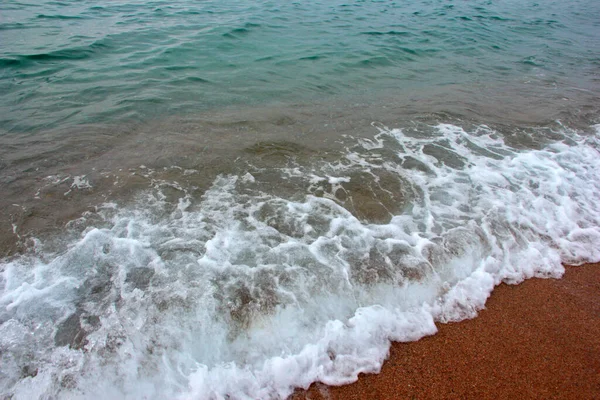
{"points": [[536, 340]]}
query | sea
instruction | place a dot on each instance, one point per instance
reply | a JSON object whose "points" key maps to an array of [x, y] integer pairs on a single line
{"points": [[234, 199]]}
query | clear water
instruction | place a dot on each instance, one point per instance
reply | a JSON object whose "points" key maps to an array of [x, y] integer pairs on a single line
{"points": [[234, 199], [80, 62]]}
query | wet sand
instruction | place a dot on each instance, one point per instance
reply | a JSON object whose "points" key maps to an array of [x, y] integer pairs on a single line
{"points": [[536, 340]]}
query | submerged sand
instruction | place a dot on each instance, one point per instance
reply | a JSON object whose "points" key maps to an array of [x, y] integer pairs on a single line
{"points": [[536, 340]]}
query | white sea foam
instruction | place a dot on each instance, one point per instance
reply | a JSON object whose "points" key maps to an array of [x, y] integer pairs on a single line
{"points": [[246, 293]]}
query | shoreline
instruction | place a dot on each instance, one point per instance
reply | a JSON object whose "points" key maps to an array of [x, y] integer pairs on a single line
{"points": [[538, 339]]}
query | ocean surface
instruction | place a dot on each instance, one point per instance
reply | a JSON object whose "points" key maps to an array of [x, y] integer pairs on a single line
{"points": [[234, 199]]}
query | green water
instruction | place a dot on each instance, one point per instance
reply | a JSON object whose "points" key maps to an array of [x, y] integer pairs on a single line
{"points": [[69, 63]]}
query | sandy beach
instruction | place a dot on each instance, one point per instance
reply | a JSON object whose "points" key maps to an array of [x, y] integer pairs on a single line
{"points": [[536, 340]]}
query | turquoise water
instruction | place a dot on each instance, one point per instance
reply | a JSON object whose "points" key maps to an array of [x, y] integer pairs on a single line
{"points": [[79, 62], [235, 199]]}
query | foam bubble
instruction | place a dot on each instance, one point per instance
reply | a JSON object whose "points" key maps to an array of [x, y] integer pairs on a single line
{"points": [[247, 292]]}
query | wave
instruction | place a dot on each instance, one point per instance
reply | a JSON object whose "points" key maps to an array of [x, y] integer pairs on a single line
{"points": [[242, 31], [287, 272], [73, 53], [13, 25], [45, 16], [392, 33]]}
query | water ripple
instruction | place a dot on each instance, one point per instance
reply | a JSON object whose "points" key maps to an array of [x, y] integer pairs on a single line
{"points": [[54, 54]]}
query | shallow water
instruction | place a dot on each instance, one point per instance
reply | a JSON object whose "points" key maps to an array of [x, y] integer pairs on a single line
{"points": [[233, 199]]}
